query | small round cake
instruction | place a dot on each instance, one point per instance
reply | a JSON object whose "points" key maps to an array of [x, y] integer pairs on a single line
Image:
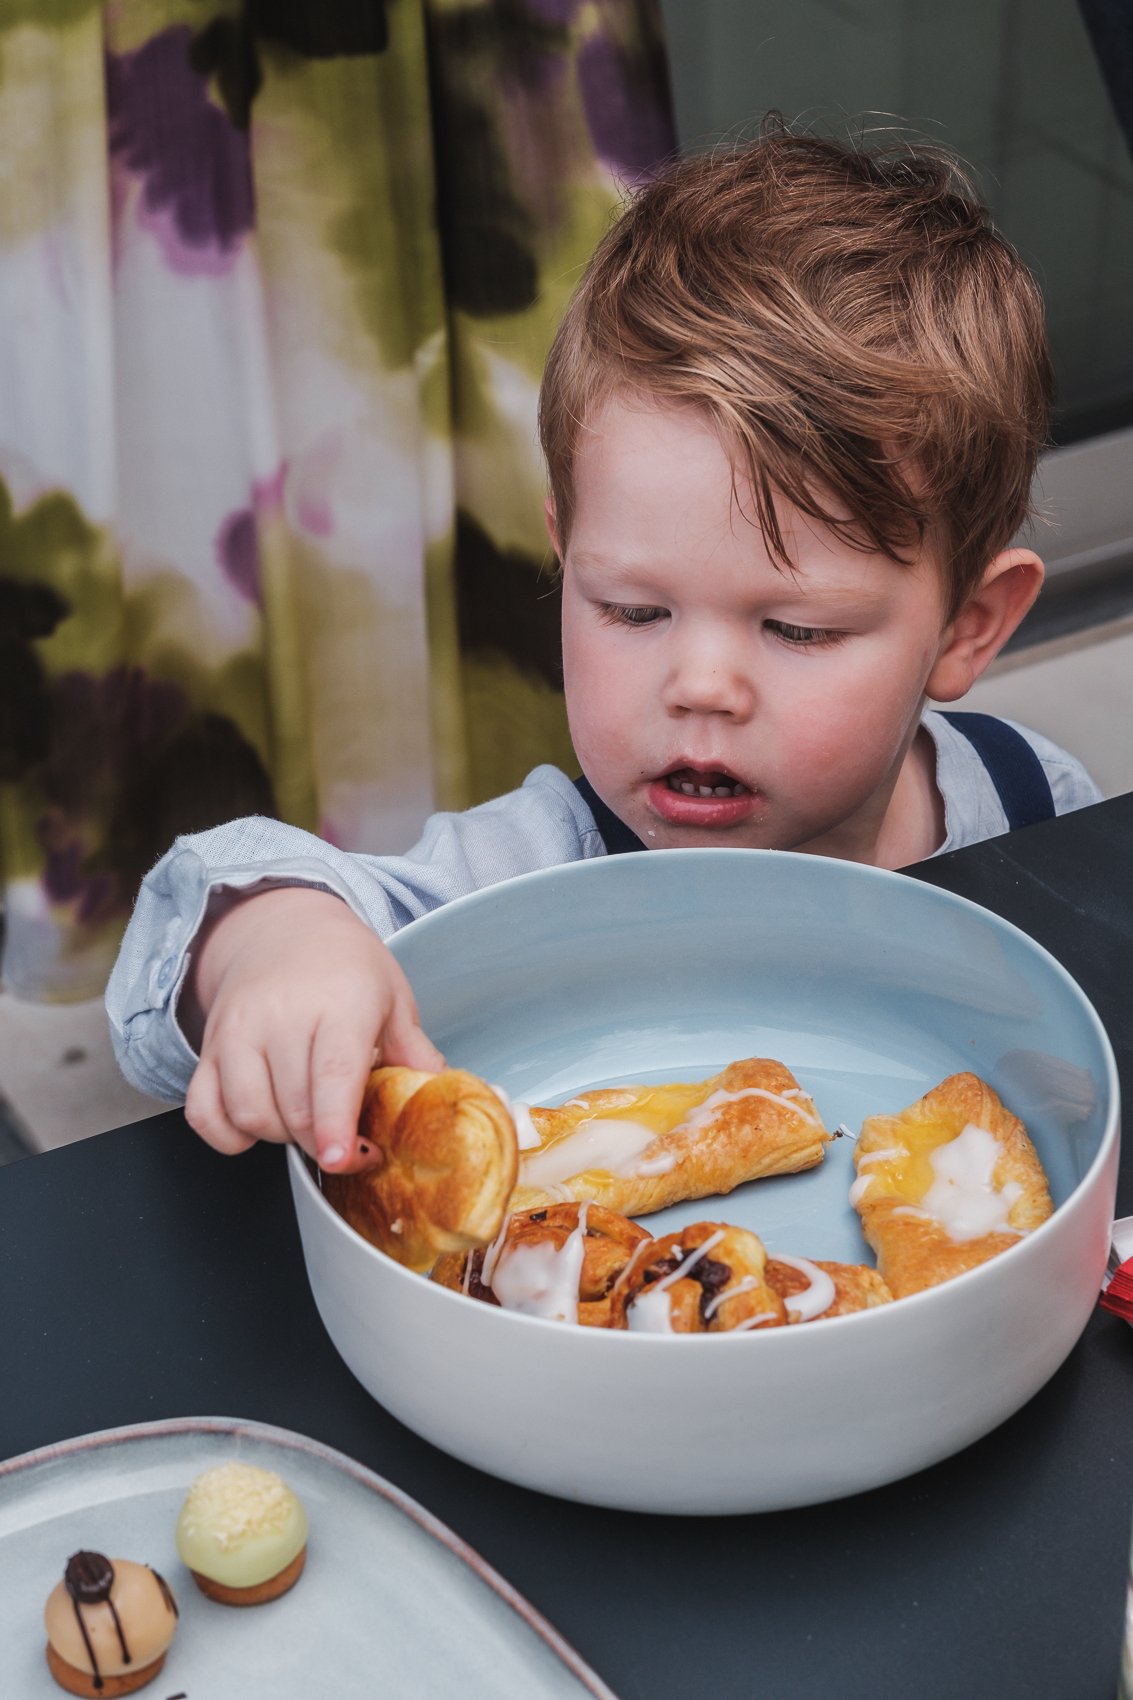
{"points": [[243, 1535], [109, 1624]]}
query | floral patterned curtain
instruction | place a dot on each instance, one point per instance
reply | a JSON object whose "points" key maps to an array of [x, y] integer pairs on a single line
{"points": [[277, 281]]}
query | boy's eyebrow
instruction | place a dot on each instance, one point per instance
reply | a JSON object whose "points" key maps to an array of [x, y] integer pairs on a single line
{"points": [[795, 589]]}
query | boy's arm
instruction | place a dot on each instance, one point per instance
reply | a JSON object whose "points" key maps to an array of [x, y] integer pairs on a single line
{"points": [[543, 824]]}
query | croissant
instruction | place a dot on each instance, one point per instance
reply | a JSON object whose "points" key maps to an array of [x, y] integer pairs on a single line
{"points": [[636, 1149], [707, 1278], [562, 1262], [447, 1164], [948, 1183]]}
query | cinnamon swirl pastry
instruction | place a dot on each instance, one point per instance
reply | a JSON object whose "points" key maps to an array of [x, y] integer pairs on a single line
{"points": [[945, 1185], [562, 1262], [810, 1290], [447, 1156], [705, 1279], [636, 1149]]}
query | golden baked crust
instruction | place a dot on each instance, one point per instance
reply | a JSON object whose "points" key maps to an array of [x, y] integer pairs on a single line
{"points": [[107, 1687], [856, 1286], [708, 1137], [708, 1278], [894, 1159], [447, 1157], [608, 1242], [260, 1593]]}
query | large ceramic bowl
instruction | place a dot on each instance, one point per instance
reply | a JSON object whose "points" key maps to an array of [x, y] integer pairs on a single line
{"points": [[871, 988]]}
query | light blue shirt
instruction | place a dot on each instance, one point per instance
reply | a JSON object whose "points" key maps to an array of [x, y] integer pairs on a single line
{"points": [[541, 825]]}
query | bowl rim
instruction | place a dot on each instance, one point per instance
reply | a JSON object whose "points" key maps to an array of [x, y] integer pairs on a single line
{"points": [[301, 1166]]}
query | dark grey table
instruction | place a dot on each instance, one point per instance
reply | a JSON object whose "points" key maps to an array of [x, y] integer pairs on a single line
{"points": [[141, 1276]]}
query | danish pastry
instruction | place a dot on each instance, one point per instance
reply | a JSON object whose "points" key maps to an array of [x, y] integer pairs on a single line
{"points": [[447, 1156], [636, 1149], [810, 1290], [945, 1185], [561, 1262], [705, 1279]]}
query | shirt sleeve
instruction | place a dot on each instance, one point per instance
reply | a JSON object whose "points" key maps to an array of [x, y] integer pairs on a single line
{"points": [[543, 824]]}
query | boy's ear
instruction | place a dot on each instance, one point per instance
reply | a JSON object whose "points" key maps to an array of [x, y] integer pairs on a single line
{"points": [[974, 637], [552, 528]]}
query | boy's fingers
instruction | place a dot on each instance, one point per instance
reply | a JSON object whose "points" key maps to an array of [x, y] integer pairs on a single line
{"points": [[340, 1067], [404, 1042], [247, 1097], [204, 1112], [290, 1069]]}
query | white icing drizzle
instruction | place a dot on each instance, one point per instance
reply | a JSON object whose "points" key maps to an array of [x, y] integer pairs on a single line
{"points": [[650, 1313], [756, 1321], [492, 1254], [542, 1280], [705, 1112], [964, 1198], [742, 1286], [466, 1284], [910, 1210], [858, 1189], [816, 1297], [609, 1143], [657, 1287], [526, 1133], [659, 1165]]}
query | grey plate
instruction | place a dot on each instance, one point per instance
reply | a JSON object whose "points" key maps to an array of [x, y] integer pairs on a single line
{"points": [[391, 1602]]}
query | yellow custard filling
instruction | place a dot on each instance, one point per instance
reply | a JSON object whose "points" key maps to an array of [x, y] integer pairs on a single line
{"points": [[910, 1175]]}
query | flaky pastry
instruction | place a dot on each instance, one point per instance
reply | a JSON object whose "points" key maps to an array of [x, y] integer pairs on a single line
{"points": [[810, 1290], [705, 1279], [945, 1185], [561, 1262], [447, 1158], [636, 1149]]}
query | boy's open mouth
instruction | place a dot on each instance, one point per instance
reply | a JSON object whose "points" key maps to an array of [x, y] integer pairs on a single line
{"points": [[711, 782]]}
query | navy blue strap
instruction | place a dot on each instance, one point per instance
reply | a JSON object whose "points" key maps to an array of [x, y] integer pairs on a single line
{"points": [[1013, 767], [616, 835]]}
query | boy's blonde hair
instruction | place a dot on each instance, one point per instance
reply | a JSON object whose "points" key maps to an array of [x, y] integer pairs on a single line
{"points": [[860, 336]]}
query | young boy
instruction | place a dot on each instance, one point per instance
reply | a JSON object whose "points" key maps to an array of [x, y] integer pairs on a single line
{"points": [[791, 420]]}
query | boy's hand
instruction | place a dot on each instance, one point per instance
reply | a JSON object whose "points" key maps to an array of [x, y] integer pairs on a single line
{"points": [[296, 997]]}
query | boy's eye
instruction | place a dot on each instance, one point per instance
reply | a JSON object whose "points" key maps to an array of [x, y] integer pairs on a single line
{"points": [[812, 637], [617, 614]]}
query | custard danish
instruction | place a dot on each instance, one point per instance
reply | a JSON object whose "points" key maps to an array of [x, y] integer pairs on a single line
{"points": [[636, 1149], [945, 1185]]}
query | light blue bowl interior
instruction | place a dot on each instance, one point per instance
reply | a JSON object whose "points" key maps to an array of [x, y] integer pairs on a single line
{"points": [[869, 986]]}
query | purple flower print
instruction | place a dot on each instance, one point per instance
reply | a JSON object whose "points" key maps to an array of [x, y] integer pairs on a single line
{"points": [[238, 541], [194, 163], [626, 99]]}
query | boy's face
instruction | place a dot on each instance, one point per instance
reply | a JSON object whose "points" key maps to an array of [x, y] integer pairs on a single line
{"points": [[713, 697]]}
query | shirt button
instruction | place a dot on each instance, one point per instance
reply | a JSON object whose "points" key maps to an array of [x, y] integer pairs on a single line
{"points": [[165, 972]]}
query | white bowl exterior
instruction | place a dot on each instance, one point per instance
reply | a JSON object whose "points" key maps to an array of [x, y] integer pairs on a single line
{"points": [[794, 1416]]}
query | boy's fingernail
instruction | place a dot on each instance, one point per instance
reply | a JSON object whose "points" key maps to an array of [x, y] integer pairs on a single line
{"points": [[333, 1154]]}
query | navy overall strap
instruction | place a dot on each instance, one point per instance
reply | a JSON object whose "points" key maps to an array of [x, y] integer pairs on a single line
{"points": [[1013, 767], [616, 835]]}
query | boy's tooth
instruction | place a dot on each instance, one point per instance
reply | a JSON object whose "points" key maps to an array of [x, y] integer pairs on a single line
{"points": [[724, 791], [688, 788], [705, 790]]}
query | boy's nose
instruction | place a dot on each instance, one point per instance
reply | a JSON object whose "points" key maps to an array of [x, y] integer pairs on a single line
{"points": [[709, 679]]}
